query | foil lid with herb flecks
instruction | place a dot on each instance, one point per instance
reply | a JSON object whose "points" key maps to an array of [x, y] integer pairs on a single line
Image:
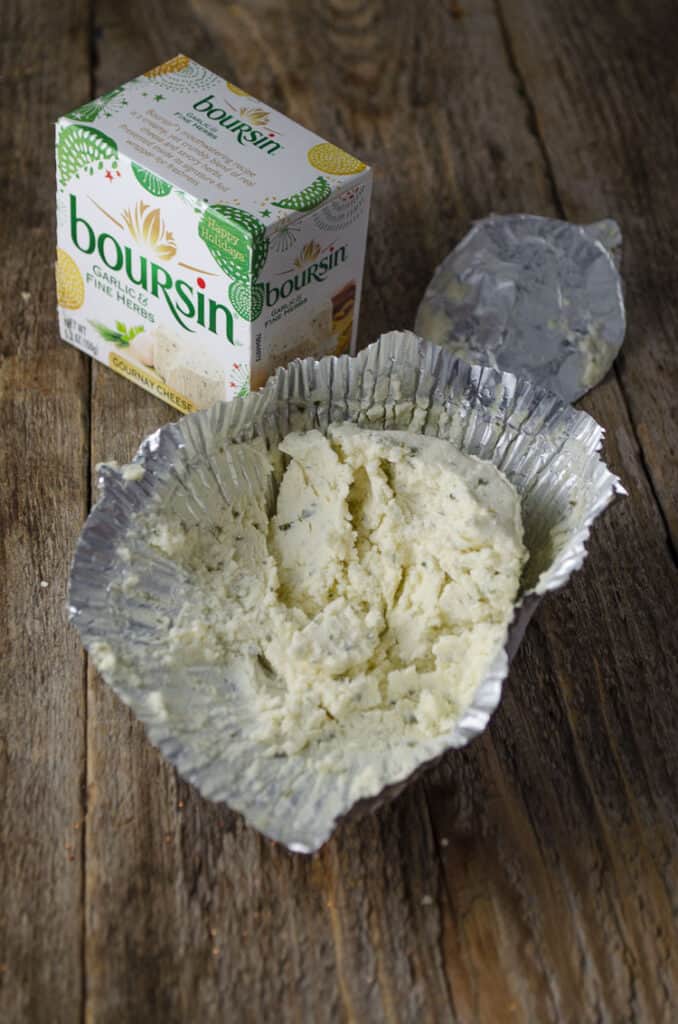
{"points": [[537, 297]]}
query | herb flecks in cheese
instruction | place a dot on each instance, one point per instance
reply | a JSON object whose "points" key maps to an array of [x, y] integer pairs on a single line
{"points": [[367, 609]]}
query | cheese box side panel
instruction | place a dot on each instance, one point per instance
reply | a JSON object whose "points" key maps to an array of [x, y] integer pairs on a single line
{"points": [[312, 282]]}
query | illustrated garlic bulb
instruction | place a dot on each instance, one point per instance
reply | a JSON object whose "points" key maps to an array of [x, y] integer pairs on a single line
{"points": [[142, 348]]}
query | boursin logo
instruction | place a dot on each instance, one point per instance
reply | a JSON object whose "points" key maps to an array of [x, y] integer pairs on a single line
{"points": [[242, 124], [312, 264], [187, 303]]}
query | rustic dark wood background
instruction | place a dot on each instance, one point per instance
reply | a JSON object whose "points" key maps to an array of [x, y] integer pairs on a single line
{"points": [[534, 877]]}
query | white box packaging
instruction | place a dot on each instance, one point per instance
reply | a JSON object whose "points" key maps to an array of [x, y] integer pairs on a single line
{"points": [[204, 239]]}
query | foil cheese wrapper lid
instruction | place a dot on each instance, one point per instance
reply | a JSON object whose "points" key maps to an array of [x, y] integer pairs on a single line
{"points": [[537, 297]]}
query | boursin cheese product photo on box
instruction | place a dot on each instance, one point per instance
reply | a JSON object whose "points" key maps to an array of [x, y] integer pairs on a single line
{"points": [[204, 239]]}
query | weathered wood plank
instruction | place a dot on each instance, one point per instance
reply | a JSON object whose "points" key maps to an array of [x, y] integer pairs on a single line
{"points": [[531, 877], [44, 70], [601, 78]]}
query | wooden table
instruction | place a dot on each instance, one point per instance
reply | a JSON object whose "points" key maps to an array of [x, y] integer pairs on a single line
{"points": [[533, 877]]}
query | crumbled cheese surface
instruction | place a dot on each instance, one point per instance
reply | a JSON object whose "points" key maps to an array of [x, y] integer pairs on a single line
{"points": [[132, 471], [166, 349], [201, 384], [597, 355], [366, 610]]}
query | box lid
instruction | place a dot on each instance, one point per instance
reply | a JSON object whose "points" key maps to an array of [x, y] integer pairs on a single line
{"points": [[184, 127]]}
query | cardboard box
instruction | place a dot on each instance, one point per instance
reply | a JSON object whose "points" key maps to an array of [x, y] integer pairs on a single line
{"points": [[204, 239]]}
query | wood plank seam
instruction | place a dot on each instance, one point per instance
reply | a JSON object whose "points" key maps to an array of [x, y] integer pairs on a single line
{"points": [[533, 127], [530, 108], [93, 58], [85, 772], [344, 987], [444, 888], [647, 471]]}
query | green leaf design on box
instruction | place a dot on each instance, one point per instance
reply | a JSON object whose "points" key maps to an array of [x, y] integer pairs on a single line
{"points": [[90, 111], [239, 384], [248, 302], [151, 182], [310, 197], [79, 147], [236, 240], [120, 335], [87, 112]]}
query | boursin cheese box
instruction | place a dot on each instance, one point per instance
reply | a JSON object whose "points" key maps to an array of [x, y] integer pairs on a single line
{"points": [[204, 239]]}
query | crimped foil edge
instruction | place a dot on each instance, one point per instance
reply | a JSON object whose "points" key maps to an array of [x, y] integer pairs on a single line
{"points": [[547, 448]]}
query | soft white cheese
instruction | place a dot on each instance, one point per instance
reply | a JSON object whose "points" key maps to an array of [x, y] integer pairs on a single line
{"points": [[365, 612], [320, 322], [201, 383], [194, 372], [166, 348], [133, 471]]}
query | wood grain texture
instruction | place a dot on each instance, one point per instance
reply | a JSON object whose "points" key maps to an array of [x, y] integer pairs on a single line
{"points": [[601, 82], [43, 467], [532, 876]]}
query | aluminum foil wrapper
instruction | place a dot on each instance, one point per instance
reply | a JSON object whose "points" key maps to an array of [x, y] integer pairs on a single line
{"points": [[540, 298], [196, 716]]}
